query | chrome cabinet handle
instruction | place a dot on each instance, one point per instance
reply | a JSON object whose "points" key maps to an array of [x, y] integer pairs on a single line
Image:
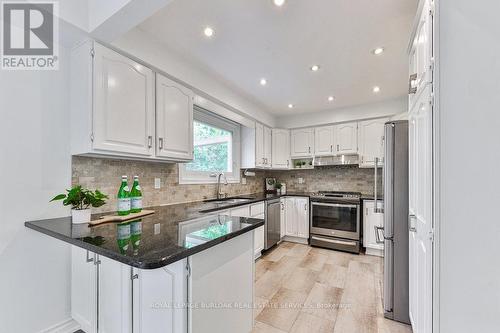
{"points": [[411, 227], [338, 148], [305, 207], [309, 149], [378, 240], [412, 84], [331, 148], [150, 141], [160, 141], [88, 258], [287, 163]]}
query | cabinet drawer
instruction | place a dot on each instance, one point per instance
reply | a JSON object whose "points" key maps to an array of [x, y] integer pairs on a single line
{"points": [[240, 211], [256, 209]]}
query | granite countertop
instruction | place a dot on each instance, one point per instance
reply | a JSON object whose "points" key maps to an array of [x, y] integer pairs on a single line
{"points": [[170, 234]]}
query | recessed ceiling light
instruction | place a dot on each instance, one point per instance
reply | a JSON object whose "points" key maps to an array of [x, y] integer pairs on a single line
{"points": [[209, 32], [279, 3], [331, 98], [290, 106], [376, 89], [314, 68], [263, 82], [378, 51]]}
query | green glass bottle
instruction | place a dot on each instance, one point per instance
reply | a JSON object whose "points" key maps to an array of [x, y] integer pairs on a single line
{"points": [[123, 198], [135, 235], [135, 196], [123, 236]]}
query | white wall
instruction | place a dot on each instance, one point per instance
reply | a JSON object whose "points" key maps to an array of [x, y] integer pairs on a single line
{"points": [[142, 46], [35, 164], [469, 156], [373, 110]]}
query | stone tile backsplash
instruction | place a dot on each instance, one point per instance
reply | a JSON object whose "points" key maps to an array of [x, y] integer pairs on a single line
{"points": [[105, 175]]}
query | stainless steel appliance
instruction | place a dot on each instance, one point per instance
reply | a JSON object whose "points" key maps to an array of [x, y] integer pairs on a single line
{"points": [[335, 220], [272, 225], [396, 285]]}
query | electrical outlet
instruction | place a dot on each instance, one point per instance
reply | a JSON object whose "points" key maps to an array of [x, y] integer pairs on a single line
{"points": [[301, 180], [157, 228], [243, 181], [157, 183]]}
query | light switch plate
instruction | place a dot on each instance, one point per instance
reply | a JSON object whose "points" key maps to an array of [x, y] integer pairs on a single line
{"points": [[157, 183]]}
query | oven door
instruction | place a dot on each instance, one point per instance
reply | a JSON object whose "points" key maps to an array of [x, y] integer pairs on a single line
{"points": [[335, 219]]}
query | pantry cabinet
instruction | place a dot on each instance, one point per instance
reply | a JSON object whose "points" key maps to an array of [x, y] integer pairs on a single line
{"points": [[174, 120], [256, 147], [371, 142], [296, 218], [281, 149], [302, 142], [114, 113], [371, 222]]}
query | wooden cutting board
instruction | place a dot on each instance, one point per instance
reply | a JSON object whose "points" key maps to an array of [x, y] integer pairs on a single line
{"points": [[120, 218]]}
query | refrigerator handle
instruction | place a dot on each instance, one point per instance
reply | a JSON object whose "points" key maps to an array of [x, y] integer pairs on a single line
{"points": [[376, 209]]}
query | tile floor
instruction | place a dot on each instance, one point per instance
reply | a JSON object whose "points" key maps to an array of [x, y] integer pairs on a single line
{"points": [[299, 288]]}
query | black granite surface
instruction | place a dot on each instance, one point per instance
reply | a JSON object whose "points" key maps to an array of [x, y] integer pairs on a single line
{"points": [[172, 233]]}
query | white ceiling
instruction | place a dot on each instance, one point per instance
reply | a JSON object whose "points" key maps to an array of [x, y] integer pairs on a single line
{"points": [[255, 39]]}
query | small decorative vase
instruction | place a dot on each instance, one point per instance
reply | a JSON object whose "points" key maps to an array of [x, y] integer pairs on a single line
{"points": [[80, 215]]}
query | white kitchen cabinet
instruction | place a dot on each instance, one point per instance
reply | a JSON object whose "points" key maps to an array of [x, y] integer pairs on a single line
{"points": [[296, 218], [371, 142], [255, 211], [83, 289], [282, 218], [302, 142], [256, 147], [324, 141], [281, 149], [371, 220], [153, 291], [174, 120], [346, 139], [242, 211]]}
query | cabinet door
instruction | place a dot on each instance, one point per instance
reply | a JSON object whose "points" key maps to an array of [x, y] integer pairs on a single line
{"points": [[370, 221], [159, 296], [346, 139], [371, 141], [115, 297], [259, 145], [243, 211], [302, 142], [123, 110], [324, 141], [281, 149], [291, 227], [174, 120], [282, 218], [268, 158], [259, 239], [302, 217], [83, 289]]}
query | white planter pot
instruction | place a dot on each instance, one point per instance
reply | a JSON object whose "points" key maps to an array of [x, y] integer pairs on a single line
{"points": [[80, 215]]}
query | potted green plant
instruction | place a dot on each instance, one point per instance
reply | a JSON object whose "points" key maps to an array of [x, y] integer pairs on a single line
{"points": [[81, 199], [278, 188]]}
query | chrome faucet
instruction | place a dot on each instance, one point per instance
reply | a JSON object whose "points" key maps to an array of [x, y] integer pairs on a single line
{"points": [[219, 194]]}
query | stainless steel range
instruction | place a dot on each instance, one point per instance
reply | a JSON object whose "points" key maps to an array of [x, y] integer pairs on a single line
{"points": [[335, 220]]}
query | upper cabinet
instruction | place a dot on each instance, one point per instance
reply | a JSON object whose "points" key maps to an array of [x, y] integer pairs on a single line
{"points": [[123, 115], [302, 142], [256, 147], [371, 141], [174, 120], [346, 139], [324, 140], [281, 148], [113, 109]]}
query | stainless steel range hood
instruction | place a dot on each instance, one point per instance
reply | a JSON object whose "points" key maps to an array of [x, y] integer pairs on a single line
{"points": [[336, 160]]}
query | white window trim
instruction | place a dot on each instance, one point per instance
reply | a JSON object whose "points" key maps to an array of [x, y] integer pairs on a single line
{"points": [[197, 177]]}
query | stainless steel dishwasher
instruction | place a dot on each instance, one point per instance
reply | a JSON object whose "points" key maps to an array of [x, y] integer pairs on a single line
{"points": [[272, 224]]}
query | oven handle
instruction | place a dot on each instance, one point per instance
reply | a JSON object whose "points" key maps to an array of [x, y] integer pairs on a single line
{"points": [[333, 205], [334, 241]]}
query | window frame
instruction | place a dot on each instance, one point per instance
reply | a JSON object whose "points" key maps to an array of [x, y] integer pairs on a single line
{"points": [[205, 177]]}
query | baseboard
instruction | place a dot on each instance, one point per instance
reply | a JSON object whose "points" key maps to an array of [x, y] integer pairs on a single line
{"points": [[296, 240], [374, 252], [67, 326]]}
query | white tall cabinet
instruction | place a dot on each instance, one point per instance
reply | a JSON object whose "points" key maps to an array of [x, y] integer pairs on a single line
{"points": [[371, 141], [421, 232], [174, 120], [281, 148]]}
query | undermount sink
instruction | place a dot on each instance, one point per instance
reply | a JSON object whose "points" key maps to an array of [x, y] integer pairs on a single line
{"points": [[228, 200]]}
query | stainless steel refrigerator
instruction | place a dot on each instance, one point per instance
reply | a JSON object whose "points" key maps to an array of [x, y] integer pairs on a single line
{"points": [[396, 278]]}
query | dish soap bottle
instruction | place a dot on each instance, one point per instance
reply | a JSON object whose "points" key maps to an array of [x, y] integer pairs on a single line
{"points": [[135, 196], [123, 198]]}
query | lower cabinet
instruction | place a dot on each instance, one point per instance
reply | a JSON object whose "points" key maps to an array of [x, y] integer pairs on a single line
{"points": [[257, 211], [296, 218], [110, 297], [371, 221]]}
